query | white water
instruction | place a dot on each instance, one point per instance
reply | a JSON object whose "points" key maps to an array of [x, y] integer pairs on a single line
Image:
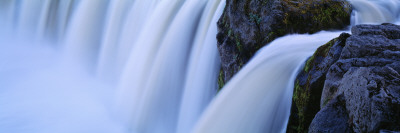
{"points": [[119, 40], [84, 33], [201, 78], [375, 11], [154, 115], [40, 95], [29, 18], [133, 81], [142, 66], [113, 26]]}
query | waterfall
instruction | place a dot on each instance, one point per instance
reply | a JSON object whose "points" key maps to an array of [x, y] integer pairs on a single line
{"points": [[375, 12], [137, 69], [7, 11], [168, 72], [29, 19], [84, 32], [144, 66], [201, 79], [114, 21], [119, 40]]}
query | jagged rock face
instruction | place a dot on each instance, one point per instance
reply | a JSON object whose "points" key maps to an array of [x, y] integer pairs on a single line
{"points": [[361, 89], [247, 25], [367, 73], [309, 84]]}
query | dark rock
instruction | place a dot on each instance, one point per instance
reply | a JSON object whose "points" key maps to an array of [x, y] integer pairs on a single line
{"points": [[390, 31], [247, 25], [369, 98], [309, 84], [388, 131], [366, 76], [332, 119]]}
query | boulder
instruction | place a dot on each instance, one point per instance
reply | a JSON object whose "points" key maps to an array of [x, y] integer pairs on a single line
{"points": [[310, 82], [361, 87]]}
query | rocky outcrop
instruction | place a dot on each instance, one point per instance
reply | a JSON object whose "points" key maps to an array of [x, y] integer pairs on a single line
{"points": [[309, 84], [247, 25], [361, 87]]}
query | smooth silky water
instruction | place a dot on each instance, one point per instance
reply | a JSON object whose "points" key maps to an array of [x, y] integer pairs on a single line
{"points": [[134, 66]]}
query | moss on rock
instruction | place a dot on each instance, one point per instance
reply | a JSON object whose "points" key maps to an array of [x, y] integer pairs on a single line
{"points": [[312, 16], [309, 84]]}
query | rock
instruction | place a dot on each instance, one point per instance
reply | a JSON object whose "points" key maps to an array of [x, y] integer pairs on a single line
{"points": [[247, 25], [369, 99], [309, 84], [332, 119], [388, 30], [364, 80]]}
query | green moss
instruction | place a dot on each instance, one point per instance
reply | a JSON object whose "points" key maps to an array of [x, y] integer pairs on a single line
{"points": [[221, 81], [328, 47], [322, 51], [301, 97], [305, 98], [326, 102], [296, 89], [239, 46], [271, 34], [255, 18], [309, 63], [323, 14], [240, 64], [281, 32]]}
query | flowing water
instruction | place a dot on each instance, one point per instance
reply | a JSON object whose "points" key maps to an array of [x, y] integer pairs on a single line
{"points": [[144, 66]]}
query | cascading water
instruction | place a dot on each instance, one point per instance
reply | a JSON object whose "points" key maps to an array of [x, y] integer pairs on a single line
{"points": [[157, 62], [115, 49], [153, 114], [201, 79], [7, 9], [113, 26], [84, 32], [137, 70], [375, 12], [30, 16]]}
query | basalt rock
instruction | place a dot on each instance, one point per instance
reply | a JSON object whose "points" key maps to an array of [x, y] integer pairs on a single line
{"points": [[309, 84], [247, 25], [360, 91]]}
